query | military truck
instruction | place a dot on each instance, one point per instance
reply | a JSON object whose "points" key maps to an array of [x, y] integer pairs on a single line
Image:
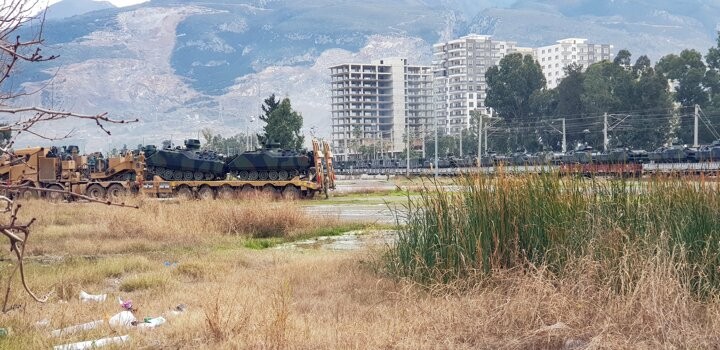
{"points": [[65, 169], [319, 179]]}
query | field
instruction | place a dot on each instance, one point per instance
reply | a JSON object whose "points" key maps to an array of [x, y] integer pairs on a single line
{"points": [[617, 281]]}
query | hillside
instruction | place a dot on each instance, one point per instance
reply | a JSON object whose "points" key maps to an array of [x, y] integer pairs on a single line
{"points": [[181, 66]]}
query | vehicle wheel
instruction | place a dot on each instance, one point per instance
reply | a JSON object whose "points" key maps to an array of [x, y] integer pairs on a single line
{"points": [[273, 175], [177, 175], [116, 190], [291, 192], [188, 175], [243, 175], [184, 193], [167, 174], [226, 192], [206, 193], [95, 191], [209, 176], [29, 193], [247, 192], [263, 175], [55, 196], [270, 191], [198, 176], [253, 175], [283, 175]]}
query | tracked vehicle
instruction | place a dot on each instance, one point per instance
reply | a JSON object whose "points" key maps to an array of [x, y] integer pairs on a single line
{"points": [[188, 163], [271, 163]]}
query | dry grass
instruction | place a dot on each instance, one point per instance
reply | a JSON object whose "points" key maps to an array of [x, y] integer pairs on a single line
{"points": [[284, 299], [93, 229], [281, 299]]}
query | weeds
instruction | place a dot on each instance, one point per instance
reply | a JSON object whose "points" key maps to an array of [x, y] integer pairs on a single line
{"points": [[507, 222]]}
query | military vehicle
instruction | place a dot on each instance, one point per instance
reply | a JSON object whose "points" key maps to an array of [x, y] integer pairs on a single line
{"points": [[189, 163], [312, 173], [706, 153], [65, 169], [271, 163]]}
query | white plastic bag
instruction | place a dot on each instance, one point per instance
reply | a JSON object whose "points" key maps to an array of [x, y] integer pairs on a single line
{"points": [[85, 297], [123, 319], [91, 344]]}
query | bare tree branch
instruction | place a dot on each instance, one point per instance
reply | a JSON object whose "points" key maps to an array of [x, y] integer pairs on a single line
{"points": [[14, 49]]}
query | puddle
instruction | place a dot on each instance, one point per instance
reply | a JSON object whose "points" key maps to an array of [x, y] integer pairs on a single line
{"points": [[353, 240]]}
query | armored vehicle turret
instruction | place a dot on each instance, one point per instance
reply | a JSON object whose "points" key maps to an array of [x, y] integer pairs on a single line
{"points": [[188, 163], [271, 163]]}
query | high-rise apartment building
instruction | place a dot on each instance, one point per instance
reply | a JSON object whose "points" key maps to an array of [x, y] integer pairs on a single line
{"points": [[554, 58], [374, 104], [459, 85]]}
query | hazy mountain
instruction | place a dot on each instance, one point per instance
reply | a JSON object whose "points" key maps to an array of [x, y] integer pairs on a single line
{"points": [[184, 65], [69, 8]]}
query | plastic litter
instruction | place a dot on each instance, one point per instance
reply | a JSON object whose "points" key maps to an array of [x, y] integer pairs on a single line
{"points": [[152, 322], [90, 344], [126, 304], [77, 328], [123, 319], [85, 297], [180, 308], [4, 333]]}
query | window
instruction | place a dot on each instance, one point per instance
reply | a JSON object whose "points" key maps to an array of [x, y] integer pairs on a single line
{"points": [[557, 49]]}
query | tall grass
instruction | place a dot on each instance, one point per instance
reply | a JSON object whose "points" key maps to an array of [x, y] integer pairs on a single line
{"points": [[506, 222]]}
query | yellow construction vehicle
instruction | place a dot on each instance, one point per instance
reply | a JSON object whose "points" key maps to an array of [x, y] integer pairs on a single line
{"points": [[38, 168]]}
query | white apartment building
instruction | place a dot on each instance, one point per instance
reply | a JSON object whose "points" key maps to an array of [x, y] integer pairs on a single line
{"points": [[459, 68], [378, 101], [554, 58]]}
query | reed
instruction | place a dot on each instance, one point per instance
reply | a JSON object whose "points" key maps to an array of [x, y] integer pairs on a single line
{"points": [[508, 222]]}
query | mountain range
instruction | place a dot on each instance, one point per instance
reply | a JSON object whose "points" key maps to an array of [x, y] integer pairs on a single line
{"points": [[180, 66]]}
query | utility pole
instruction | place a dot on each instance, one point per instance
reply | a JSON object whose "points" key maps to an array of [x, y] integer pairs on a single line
{"points": [[461, 134], [695, 129], [407, 146], [436, 148], [564, 141], [382, 147], [605, 130], [424, 134], [480, 131]]}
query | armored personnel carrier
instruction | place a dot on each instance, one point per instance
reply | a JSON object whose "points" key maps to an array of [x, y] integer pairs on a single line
{"points": [[188, 163], [271, 163]]}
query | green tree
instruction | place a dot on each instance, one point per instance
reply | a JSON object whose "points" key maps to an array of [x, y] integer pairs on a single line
{"points": [[641, 65], [269, 105], [283, 125], [688, 70], [623, 58], [510, 85], [570, 92]]}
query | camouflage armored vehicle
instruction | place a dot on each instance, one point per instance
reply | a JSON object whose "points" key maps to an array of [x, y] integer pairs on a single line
{"points": [[707, 153], [271, 163], [189, 163]]}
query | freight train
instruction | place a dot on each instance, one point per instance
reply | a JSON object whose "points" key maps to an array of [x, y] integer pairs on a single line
{"points": [[583, 159]]}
